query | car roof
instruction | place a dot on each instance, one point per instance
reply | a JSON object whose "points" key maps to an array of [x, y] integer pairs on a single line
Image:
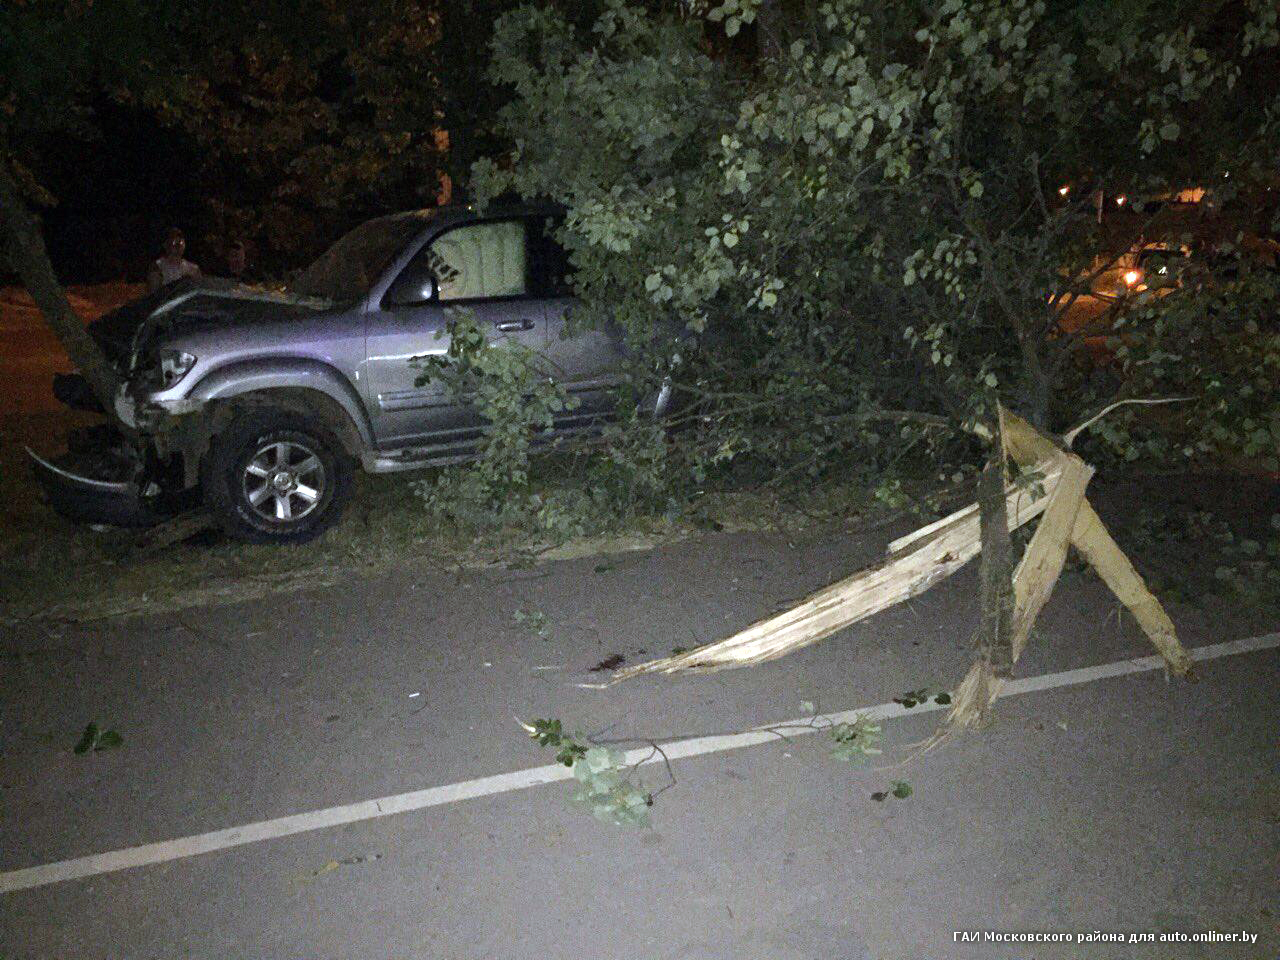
{"points": [[457, 212]]}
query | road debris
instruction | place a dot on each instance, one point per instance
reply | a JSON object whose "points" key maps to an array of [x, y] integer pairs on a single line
{"points": [[1049, 482]]}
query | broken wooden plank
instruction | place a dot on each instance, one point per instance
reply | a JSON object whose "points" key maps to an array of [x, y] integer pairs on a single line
{"points": [[904, 574]]}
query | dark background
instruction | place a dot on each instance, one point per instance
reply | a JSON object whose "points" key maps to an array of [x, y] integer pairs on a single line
{"points": [[119, 192]]}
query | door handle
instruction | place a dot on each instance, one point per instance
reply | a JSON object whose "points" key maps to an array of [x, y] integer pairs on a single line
{"points": [[511, 326]]}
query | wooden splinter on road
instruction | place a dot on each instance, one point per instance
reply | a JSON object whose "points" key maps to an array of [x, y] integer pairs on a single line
{"points": [[1051, 484]]}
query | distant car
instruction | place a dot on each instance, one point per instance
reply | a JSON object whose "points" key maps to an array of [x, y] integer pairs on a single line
{"points": [[265, 402], [1149, 267]]}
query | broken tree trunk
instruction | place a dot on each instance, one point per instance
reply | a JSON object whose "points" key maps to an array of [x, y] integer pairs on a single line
{"points": [[1102, 553], [1037, 572], [1052, 482], [915, 563], [1090, 538], [995, 575]]}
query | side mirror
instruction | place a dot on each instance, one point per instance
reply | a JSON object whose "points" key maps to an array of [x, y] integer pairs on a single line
{"points": [[415, 286]]}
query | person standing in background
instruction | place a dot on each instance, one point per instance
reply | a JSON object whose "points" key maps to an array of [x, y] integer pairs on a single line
{"points": [[238, 264], [172, 264]]}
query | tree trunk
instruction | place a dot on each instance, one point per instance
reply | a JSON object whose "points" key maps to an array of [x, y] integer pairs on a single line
{"points": [[1036, 386], [24, 244], [995, 575]]}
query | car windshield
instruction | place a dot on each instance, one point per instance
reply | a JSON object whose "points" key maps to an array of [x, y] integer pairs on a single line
{"points": [[350, 267]]}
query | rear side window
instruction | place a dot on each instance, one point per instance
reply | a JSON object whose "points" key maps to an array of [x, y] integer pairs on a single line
{"points": [[550, 269]]}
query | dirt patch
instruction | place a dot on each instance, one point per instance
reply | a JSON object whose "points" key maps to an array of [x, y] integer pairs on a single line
{"points": [[609, 663]]}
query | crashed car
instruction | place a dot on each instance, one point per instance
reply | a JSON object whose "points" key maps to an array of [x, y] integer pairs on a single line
{"points": [[262, 404]]}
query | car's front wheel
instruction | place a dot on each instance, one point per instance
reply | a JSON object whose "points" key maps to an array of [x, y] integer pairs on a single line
{"points": [[272, 476]]}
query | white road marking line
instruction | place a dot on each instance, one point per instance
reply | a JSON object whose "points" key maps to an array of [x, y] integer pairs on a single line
{"points": [[152, 853]]}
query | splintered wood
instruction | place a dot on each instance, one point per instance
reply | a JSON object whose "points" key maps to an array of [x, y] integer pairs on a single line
{"points": [[911, 568], [1051, 483]]}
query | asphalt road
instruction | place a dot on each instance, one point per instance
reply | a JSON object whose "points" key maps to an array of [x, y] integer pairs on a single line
{"points": [[1127, 804]]}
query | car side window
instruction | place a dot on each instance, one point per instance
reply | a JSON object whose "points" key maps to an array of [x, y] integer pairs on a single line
{"points": [[475, 261], [480, 260]]}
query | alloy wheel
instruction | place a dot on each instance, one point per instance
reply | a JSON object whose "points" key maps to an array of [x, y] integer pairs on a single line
{"points": [[284, 481]]}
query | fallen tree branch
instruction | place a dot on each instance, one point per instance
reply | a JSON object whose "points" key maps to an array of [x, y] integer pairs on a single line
{"points": [[921, 559], [912, 567], [1069, 437]]}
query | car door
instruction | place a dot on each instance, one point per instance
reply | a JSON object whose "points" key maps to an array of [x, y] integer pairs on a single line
{"points": [[480, 266], [586, 361]]}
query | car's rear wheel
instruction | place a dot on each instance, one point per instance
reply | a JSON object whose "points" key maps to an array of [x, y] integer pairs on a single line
{"points": [[275, 477]]}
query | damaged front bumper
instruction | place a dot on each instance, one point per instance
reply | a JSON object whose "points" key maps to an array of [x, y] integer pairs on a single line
{"points": [[109, 480], [87, 499]]}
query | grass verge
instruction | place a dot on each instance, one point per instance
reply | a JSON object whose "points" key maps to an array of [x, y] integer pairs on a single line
{"points": [[1195, 539], [53, 569]]}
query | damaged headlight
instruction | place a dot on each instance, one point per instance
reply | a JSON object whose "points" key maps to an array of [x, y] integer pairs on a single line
{"points": [[174, 365]]}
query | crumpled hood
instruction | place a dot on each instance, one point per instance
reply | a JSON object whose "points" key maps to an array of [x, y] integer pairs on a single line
{"points": [[191, 306], [117, 331]]}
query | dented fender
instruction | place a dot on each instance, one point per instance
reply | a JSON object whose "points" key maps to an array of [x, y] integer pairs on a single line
{"points": [[268, 373]]}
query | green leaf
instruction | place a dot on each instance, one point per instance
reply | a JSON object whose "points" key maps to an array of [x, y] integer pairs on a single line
{"points": [[912, 697], [570, 753], [597, 759], [547, 732], [88, 739], [109, 740], [901, 789]]}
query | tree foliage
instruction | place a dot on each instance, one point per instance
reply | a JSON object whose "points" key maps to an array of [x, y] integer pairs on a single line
{"points": [[310, 125], [301, 125], [865, 221]]}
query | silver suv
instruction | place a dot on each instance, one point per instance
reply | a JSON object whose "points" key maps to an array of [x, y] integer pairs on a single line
{"points": [[265, 402]]}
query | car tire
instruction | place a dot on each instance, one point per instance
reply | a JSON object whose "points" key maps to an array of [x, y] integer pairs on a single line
{"points": [[275, 477]]}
